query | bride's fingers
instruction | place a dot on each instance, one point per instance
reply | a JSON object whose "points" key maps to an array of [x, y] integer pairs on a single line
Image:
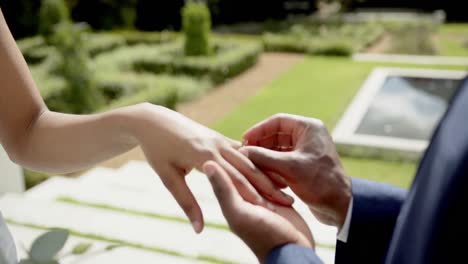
{"points": [[245, 188], [176, 184], [279, 181], [256, 177]]}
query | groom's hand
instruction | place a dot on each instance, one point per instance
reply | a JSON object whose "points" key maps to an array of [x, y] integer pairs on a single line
{"points": [[298, 152], [261, 229]]}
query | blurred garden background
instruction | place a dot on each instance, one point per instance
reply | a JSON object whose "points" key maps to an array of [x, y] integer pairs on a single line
{"points": [[229, 64], [89, 56]]}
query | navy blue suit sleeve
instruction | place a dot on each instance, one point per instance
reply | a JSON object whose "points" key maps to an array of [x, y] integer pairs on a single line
{"points": [[376, 207], [292, 253]]}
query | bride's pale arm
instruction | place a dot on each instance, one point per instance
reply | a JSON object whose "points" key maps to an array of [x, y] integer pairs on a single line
{"points": [[46, 141], [42, 140]]}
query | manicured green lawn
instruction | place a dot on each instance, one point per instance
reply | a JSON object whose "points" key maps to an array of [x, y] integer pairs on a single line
{"points": [[452, 40], [319, 87]]}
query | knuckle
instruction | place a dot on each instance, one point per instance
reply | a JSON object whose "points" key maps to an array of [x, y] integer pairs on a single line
{"points": [[203, 152]]}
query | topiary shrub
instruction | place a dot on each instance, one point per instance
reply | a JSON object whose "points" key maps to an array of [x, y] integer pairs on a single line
{"points": [[80, 94], [196, 23], [51, 13]]}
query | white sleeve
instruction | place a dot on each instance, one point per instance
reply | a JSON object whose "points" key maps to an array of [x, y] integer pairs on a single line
{"points": [[343, 233]]}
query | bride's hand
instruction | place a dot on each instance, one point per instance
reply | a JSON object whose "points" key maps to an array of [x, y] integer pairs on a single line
{"points": [[174, 144]]}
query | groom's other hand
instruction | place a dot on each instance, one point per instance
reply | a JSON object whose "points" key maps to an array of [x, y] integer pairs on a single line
{"points": [[299, 152], [260, 228]]}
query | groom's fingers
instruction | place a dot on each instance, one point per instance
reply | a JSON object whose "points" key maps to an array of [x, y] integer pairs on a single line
{"points": [[255, 176], [273, 130], [224, 189], [245, 188], [176, 184]]}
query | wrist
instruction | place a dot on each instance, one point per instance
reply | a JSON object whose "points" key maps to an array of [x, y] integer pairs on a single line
{"points": [[332, 208], [343, 198], [133, 121]]}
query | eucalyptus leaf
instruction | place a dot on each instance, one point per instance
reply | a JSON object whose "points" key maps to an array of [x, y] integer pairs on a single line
{"points": [[45, 247], [81, 248]]}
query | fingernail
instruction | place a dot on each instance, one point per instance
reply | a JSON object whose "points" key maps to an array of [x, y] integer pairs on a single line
{"points": [[196, 226], [288, 198]]}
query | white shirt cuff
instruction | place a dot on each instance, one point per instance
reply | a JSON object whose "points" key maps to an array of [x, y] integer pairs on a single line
{"points": [[343, 233]]}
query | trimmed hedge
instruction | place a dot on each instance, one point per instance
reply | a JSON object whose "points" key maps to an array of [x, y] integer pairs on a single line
{"points": [[142, 37], [35, 49], [157, 72], [164, 90], [332, 47], [102, 42], [335, 40], [228, 60]]}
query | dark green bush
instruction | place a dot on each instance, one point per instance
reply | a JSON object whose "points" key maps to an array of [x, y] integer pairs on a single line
{"points": [[196, 23], [331, 48], [284, 43], [51, 13], [81, 94]]}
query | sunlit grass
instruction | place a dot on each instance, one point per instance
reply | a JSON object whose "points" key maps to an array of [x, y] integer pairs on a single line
{"points": [[452, 40]]}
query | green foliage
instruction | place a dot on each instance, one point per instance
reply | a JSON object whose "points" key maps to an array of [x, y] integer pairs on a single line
{"points": [[27, 45], [45, 247], [412, 38], [331, 48], [196, 23], [157, 89], [229, 59], [133, 37], [331, 39], [131, 67], [51, 13], [32, 178], [80, 95], [98, 43]]}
